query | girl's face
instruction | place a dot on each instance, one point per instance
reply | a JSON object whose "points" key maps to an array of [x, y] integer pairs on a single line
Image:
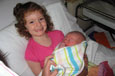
{"points": [[35, 23]]}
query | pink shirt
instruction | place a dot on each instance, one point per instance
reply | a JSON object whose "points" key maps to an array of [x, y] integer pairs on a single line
{"points": [[37, 53]]}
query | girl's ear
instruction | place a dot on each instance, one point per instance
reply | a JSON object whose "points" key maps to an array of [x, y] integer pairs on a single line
{"points": [[26, 30]]}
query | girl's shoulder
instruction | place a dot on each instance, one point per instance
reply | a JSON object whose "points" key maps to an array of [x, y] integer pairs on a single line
{"points": [[55, 32]]}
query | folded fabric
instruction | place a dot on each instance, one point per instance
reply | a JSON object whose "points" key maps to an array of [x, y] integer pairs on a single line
{"points": [[104, 69], [5, 71], [71, 59]]}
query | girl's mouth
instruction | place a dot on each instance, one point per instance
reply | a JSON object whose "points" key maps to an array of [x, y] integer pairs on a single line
{"points": [[38, 30]]}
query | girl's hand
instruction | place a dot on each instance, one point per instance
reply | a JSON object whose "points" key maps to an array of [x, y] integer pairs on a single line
{"points": [[47, 64]]}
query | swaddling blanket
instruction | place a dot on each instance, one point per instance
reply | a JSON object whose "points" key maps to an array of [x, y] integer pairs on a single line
{"points": [[69, 60]]}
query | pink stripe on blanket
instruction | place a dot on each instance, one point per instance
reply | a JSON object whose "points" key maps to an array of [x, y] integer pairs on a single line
{"points": [[7, 69]]}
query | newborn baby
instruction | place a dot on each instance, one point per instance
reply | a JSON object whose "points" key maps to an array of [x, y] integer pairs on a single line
{"points": [[70, 53], [72, 38]]}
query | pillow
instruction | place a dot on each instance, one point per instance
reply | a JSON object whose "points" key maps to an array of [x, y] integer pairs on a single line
{"points": [[61, 18], [13, 46]]}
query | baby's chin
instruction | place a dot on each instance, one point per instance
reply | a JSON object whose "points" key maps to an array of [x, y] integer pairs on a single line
{"points": [[69, 44]]}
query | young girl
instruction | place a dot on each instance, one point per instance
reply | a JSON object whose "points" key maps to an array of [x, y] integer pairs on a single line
{"points": [[35, 25]]}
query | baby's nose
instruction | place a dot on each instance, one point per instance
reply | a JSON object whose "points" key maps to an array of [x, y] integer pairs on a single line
{"points": [[66, 41]]}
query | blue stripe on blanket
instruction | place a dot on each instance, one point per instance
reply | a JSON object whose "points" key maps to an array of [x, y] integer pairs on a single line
{"points": [[69, 50]]}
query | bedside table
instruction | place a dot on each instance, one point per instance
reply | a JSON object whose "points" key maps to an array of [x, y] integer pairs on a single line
{"points": [[101, 12]]}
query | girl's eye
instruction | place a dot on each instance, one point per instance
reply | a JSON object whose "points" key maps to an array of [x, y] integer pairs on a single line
{"points": [[31, 22], [41, 19]]}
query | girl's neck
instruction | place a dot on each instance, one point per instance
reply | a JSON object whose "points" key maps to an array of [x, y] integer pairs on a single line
{"points": [[39, 38], [43, 40]]}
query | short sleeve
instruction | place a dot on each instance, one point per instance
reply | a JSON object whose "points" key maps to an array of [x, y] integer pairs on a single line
{"points": [[59, 35], [29, 53]]}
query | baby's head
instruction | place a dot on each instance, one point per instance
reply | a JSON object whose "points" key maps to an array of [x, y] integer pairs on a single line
{"points": [[21, 10], [73, 38]]}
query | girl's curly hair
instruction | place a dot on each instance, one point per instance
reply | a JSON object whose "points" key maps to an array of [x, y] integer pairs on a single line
{"points": [[21, 9]]}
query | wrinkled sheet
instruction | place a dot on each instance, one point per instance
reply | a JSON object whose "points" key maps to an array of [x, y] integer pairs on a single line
{"points": [[98, 53]]}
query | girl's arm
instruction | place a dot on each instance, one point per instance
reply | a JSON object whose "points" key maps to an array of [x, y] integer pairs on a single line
{"points": [[35, 67]]}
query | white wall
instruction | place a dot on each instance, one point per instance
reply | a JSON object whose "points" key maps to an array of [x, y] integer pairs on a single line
{"points": [[6, 10]]}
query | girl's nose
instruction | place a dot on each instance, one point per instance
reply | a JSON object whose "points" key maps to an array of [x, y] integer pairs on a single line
{"points": [[38, 23]]}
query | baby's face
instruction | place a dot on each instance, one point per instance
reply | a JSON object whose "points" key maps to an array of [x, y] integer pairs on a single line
{"points": [[72, 39]]}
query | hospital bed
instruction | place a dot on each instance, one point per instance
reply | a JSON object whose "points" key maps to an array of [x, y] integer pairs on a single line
{"points": [[14, 46]]}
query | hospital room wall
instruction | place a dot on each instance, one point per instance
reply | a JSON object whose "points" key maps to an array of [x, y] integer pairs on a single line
{"points": [[7, 12]]}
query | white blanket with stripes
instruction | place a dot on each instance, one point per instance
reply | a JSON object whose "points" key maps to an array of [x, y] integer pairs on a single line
{"points": [[69, 60]]}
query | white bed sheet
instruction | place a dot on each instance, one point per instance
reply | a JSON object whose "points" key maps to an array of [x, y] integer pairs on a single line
{"points": [[98, 53], [105, 54]]}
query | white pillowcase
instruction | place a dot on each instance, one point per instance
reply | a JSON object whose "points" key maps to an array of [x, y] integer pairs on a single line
{"points": [[14, 47], [5, 71], [61, 18]]}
